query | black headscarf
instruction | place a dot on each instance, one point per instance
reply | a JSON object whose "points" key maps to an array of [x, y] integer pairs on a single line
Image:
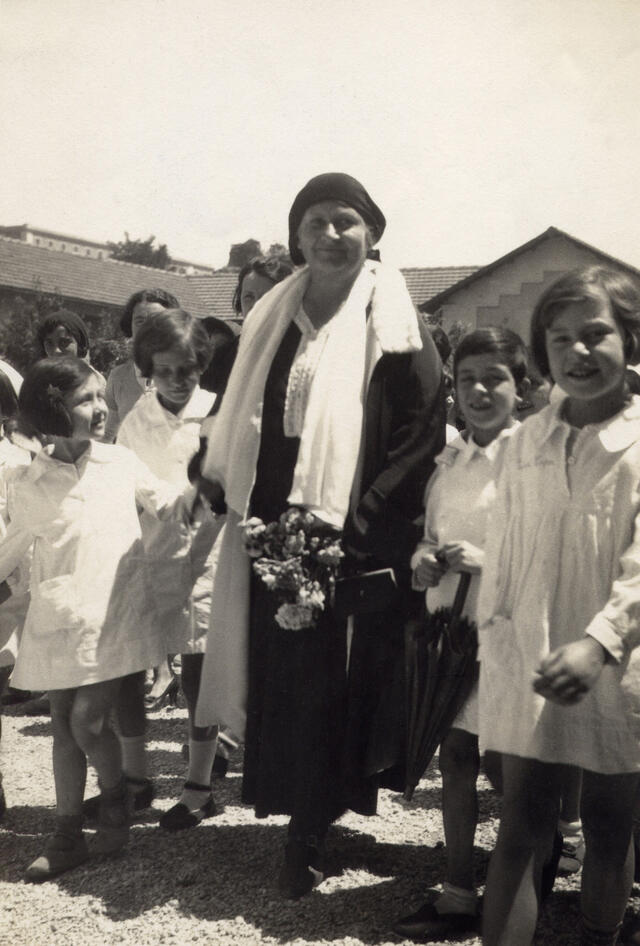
{"points": [[333, 186]]}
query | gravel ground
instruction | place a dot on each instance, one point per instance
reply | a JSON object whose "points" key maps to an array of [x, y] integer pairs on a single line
{"points": [[215, 884]]}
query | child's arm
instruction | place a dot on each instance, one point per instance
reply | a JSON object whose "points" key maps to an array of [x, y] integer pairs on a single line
{"points": [[426, 568], [569, 672], [161, 499]]}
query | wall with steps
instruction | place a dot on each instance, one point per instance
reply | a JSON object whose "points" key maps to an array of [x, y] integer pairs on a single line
{"points": [[507, 294]]}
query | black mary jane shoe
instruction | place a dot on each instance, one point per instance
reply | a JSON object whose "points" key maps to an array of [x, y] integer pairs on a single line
{"points": [[427, 925], [179, 817], [303, 868]]}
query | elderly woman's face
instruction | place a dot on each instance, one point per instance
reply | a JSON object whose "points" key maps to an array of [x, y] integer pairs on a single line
{"points": [[333, 238]]}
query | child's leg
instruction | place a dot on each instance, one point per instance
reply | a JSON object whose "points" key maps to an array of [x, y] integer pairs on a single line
{"points": [[132, 725], [69, 759], [92, 731], [569, 824], [607, 874], [196, 801], [460, 765], [530, 807], [66, 848]]}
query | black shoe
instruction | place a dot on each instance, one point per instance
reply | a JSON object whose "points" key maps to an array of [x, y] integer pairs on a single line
{"points": [[168, 695], [179, 817], [303, 868], [427, 925], [138, 800]]}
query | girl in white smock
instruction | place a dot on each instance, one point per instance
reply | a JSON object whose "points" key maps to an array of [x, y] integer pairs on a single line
{"points": [[172, 349], [489, 365], [559, 610], [90, 620]]}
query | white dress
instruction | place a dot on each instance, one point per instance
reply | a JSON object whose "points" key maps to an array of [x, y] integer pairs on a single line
{"points": [[91, 615], [181, 558], [563, 560], [458, 501]]}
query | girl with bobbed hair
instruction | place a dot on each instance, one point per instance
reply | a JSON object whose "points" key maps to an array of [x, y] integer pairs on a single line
{"points": [[255, 278], [63, 333], [125, 384]]}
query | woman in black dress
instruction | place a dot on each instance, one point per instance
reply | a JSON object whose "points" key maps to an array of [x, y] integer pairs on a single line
{"points": [[335, 403]]}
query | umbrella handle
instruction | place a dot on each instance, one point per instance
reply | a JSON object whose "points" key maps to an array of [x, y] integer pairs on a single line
{"points": [[461, 596]]}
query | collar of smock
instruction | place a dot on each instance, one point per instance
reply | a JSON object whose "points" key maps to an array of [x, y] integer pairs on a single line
{"points": [[196, 408], [97, 453], [615, 433], [463, 451]]}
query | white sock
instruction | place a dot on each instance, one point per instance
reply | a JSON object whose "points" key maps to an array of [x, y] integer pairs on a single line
{"points": [[201, 755], [134, 756], [456, 900]]}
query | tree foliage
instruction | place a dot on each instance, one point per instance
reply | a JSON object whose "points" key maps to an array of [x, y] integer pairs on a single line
{"points": [[241, 253], [142, 252], [278, 249]]}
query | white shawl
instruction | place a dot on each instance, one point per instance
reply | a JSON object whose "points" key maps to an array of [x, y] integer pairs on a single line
{"points": [[328, 457]]}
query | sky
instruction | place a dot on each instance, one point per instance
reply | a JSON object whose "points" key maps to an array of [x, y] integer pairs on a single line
{"points": [[474, 126]]}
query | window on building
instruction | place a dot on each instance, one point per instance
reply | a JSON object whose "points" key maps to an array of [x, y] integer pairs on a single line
{"points": [[37, 241], [75, 249], [64, 246], [99, 254], [87, 252], [50, 242]]}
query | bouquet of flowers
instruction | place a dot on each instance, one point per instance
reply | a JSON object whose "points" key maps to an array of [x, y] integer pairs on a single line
{"points": [[297, 558]]}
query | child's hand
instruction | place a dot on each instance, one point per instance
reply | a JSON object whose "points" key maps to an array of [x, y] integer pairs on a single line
{"points": [[462, 557], [428, 572], [212, 492], [569, 672]]}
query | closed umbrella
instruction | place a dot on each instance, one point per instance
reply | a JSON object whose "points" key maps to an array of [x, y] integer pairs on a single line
{"points": [[440, 651]]}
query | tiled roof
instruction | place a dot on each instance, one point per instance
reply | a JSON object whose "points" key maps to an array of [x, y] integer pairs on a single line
{"points": [[106, 282], [424, 282], [109, 282], [216, 292]]}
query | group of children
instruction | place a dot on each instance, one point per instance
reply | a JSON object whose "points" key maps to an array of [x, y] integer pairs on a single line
{"points": [[541, 514]]}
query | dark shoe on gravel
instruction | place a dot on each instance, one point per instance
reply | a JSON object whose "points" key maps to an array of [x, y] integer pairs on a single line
{"points": [[141, 793], [427, 925], [113, 820], [303, 868], [65, 849], [180, 817]]}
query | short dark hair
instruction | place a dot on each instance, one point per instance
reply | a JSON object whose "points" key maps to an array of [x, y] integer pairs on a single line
{"points": [[8, 397], [73, 324], [589, 282], [173, 328], [274, 268], [161, 296], [41, 404], [494, 340]]}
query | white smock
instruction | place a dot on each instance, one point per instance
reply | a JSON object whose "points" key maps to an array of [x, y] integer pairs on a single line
{"points": [[458, 501], [91, 616], [180, 556], [563, 560], [14, 462]]}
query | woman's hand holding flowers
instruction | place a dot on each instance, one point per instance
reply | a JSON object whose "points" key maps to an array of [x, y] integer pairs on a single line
{"points": [[567, 674]]}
